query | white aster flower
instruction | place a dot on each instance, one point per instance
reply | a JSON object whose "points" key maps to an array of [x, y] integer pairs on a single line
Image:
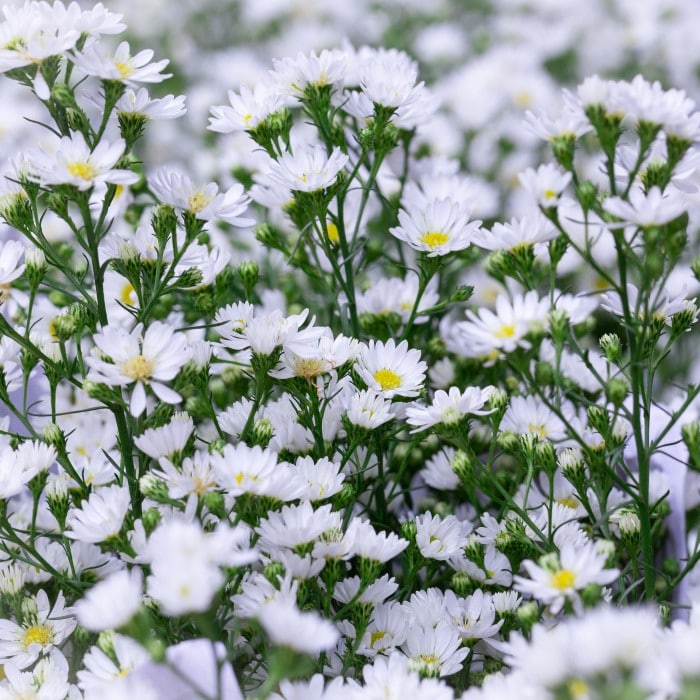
{"points": [[100, 670], [391, 369], [101, 516], [439, 228], [651, 209], [45, 628], [141, 360], [440, 538], [287, 626], [560, 578], [449, 407], [545, 184], [248, 109], [435, 651], [204, 202], [70, 161], [112, 602], [96, 59], [140, 102], [309, 169], [368, 409], [167, 440]]}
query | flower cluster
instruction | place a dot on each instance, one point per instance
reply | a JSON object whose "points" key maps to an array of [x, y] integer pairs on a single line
{"points": [[319, 424]]}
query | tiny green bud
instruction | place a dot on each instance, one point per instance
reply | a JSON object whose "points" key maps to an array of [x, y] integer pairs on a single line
{"points": [[273, 572], [559, 325], [408, 530], [154, 488], [249, 273], [214, 502], [528, 614], [151, 519], [164, 222], [591, 595], [587, 194], [462, 466], [462, 293], [271, 237], [616, 391], [611, 346], [262, 433], [54, 436]]}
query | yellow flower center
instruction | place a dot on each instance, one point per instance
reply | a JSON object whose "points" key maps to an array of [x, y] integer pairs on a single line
{"points": [[505, 331], [433, 239], [539, 430], [197, 202], [126, 294], [563, 579], [568, 502], [387, 379], [200, 486], [550, 194], [37, 634], [138, 368], [247, 118], [522, 99], [309, 367], [125, 69], [578, 688], [430, 659], [333, 235], [376, 636], [83, 170]]}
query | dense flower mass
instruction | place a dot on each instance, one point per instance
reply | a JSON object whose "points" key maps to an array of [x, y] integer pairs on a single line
{"points": [[374, 386]]}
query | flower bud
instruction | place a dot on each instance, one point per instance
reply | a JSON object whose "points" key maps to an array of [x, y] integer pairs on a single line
{"points": [[616, 391], [249, 273], [151, 519]]}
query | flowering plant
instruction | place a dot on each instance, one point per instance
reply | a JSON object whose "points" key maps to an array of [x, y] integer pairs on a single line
{"points": [[326, 427]]}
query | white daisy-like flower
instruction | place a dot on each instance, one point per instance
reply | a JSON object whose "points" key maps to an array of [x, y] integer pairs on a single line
{"points": [[42, 630], [112, 602], [248, 109], [440, 538], [545, 184], [320, 479], [100, 670], [294, 75], [297, 524], [368, 409], [140, 359], [70, 161], [439, 228], [204, 202], [11, 253], [519, 233], [287, 626], [435, 651], [529, 415], [168, 439], [654, 208], [560, 578], [96, 59], [377, 546], [192, 479], [241, 469], [101, 516], [449, 407], [487, 332], [391, 369], [140, 102], [48, 679], [309, 169]]}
